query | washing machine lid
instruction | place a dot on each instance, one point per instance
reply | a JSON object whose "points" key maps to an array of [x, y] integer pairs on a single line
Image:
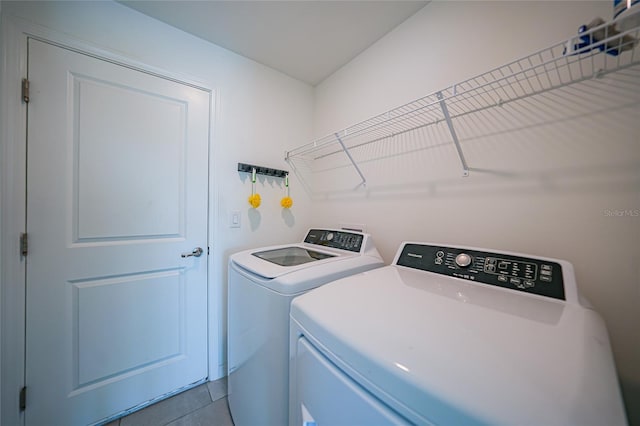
{"points": [[292, 255], [450, 351], [322, 252], [275, 261]]}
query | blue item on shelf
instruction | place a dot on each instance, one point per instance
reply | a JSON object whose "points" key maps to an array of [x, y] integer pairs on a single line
{"points": [[603, 39]]}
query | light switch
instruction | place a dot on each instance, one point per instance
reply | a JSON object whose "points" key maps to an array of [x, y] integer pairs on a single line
{"points": [[234, 220]]}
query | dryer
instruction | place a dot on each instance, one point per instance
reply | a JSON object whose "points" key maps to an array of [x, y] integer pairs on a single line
{"points": [[452, 335], [262, 283]]}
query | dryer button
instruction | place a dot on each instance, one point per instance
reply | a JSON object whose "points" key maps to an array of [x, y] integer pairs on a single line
{"points": [[463, 260]]}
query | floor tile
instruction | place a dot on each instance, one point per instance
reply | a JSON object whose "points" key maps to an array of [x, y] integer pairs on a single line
{"points": [[170, 409], [214, 414], [218, 389]]}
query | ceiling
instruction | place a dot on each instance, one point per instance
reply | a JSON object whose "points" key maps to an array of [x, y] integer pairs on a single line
{"points": [[305, 39]]}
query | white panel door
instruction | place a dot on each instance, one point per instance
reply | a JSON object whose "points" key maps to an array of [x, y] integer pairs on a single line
{"points": [[117, 183]]}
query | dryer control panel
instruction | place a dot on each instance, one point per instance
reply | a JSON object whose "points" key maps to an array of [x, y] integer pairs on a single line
{"points": [[342, 240], [525, 274]]}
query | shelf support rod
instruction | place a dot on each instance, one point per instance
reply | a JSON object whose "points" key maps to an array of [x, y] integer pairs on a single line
{"points": [[447, 117], [346, 151]]}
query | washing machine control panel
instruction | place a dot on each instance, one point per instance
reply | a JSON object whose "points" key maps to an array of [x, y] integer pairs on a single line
{"points": [[342, 240], [526, 274]]}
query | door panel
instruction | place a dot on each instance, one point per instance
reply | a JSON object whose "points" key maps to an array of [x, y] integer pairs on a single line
{"points": [[117, 186], [109, 120], [98, 334]]}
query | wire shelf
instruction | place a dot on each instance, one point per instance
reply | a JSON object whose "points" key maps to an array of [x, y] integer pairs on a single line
{"points": [[597, 50]]}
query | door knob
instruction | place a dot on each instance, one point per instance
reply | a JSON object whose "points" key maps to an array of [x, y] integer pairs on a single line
{"points": [[197, 252]]}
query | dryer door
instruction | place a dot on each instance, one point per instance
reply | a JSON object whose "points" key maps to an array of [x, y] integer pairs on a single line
{"points": [[324, 395]]}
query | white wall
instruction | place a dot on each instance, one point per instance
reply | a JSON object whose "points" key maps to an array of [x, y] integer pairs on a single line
{"points": [[546, 172], [258, 114]]}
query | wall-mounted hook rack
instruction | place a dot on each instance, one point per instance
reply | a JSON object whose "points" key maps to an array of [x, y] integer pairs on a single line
{"points": [[267, 171]]}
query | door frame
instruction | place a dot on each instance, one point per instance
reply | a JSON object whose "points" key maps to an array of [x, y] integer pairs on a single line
{"points": [[14, 34]]}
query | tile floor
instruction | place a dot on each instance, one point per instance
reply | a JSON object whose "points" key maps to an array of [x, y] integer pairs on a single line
{"points": [[203, 405]]}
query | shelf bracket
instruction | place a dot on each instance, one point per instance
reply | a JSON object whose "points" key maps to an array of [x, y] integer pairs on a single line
{"points": [[355, 165], [447, 117]]}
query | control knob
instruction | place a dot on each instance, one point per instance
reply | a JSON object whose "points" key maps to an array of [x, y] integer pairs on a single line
{"points": [[463, 260]]}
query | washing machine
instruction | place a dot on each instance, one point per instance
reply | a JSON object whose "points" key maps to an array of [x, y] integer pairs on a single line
{"points": [[452, 336], [262, 283]]}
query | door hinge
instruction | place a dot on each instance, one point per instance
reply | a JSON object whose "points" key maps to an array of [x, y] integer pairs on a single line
{"points": [[23, 398], [25, 90], [24, 244]]}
